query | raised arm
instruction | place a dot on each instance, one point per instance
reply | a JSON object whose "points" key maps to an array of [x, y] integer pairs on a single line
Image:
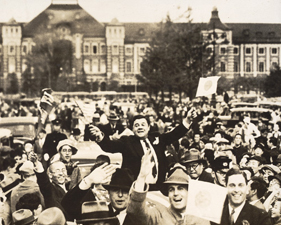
{"points": [[74, 198]]}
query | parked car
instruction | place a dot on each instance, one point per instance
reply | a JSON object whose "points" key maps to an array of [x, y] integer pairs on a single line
{"points": [[22, 128], [236, 115]]}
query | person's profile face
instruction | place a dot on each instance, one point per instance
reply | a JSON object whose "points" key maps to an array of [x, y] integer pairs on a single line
{"points": [[177, 195], [236, 189], [275, 210], [220, 176]]}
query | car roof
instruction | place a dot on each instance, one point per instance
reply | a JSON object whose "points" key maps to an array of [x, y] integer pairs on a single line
{"points": [[20, 120], [250, 109]]}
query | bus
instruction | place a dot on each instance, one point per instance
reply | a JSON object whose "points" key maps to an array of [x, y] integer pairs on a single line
{"points": [[98, 95]]}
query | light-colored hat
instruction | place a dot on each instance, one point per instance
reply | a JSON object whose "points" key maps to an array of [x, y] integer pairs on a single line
{"points": [[68, 142], [27, 168], [177, 177], [95, 212], [23, 217], [51, 216]]}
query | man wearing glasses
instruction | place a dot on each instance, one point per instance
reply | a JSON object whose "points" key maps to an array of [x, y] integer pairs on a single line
{"points": [[220, 167], [195, 166], [52, 185]]}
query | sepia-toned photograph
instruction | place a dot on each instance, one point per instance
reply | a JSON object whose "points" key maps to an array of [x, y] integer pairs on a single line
{"points": [[138, 112]]}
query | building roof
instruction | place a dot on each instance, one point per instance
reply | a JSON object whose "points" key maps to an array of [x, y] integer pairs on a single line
{"points": [[78, 20], [255, 33], [73, 16]]}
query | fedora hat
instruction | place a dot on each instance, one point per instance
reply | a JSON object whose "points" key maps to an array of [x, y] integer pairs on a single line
{"points": [[277, 176], [95, 211], [51, 215], [27, 168], [122, 178], [179, 176], [192, 156], [68, 142], [9, 183], [113, 116], [23, 217], [273, 168]]}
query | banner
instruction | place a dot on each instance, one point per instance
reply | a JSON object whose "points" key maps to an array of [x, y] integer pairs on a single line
{"points": [[207, 86], [205, 200]]}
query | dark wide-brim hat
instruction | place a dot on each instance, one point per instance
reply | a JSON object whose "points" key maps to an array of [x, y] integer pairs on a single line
{"points": [[192, 156], [122, 178], [277, 177], [113, 116], [96, 211], [179, 176]]}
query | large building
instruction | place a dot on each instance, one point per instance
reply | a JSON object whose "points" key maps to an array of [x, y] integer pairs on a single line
{"points": [[115, 49]]}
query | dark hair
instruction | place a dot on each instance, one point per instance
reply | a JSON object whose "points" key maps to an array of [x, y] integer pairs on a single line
{"points": [[260, 185], [137, 117], [101, 159], [184, 142], [273, 140], [15, 153], [235, 171], [29, 201], [8, 162]]}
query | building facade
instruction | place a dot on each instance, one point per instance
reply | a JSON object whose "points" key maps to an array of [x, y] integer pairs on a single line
{"points": [[115, 50]]}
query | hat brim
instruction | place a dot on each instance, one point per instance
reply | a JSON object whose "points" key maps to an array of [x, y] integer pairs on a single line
{"points": [[194, 160], [113, 119], [97, 220], [108, 186], [164, 187], [26, 221]]}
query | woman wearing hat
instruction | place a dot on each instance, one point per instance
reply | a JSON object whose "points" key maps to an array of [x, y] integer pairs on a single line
{"points": [[66, 148]]}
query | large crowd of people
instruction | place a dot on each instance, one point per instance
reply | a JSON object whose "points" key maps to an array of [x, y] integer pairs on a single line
{"points": [[163, 148]]}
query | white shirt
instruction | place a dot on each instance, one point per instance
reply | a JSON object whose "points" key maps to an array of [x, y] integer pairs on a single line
{"points": [[236, 210], [121, 216], [150, 179]]}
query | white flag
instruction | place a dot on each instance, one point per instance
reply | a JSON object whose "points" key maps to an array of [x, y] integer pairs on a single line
{"points": [[207, 86], [205, 200]]}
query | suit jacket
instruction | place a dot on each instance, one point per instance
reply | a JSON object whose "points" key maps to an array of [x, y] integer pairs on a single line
{"points": [[52, 192], [132, 151], [249, 213], [108, 130], [73, 200]]}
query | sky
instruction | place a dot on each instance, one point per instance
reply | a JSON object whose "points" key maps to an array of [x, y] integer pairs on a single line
{"points": [[230, 11]]}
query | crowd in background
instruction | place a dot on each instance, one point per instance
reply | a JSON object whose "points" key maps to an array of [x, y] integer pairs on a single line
{"points": [[41, 182]]}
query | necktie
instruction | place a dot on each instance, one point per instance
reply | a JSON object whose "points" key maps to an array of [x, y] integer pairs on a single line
{"points": [[232, 217], [154, 170]]}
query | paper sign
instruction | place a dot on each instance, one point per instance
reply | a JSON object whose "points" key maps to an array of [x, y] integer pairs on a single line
{"points": [[207, 86], [205, 200]]}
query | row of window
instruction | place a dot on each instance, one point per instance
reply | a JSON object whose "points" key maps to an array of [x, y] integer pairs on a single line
{"points": [[248, 66], [96, 49], [248, 51], [99, 66]]}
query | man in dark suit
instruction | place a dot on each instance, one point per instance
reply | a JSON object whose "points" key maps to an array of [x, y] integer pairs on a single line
{"points": [[133, 147], [118, 191], [52, 185], [236, 209], [51, 142], [113, 129]]}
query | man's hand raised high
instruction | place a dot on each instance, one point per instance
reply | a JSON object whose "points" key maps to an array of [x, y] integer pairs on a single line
{"points": [[146, 169], [100, 175]]}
